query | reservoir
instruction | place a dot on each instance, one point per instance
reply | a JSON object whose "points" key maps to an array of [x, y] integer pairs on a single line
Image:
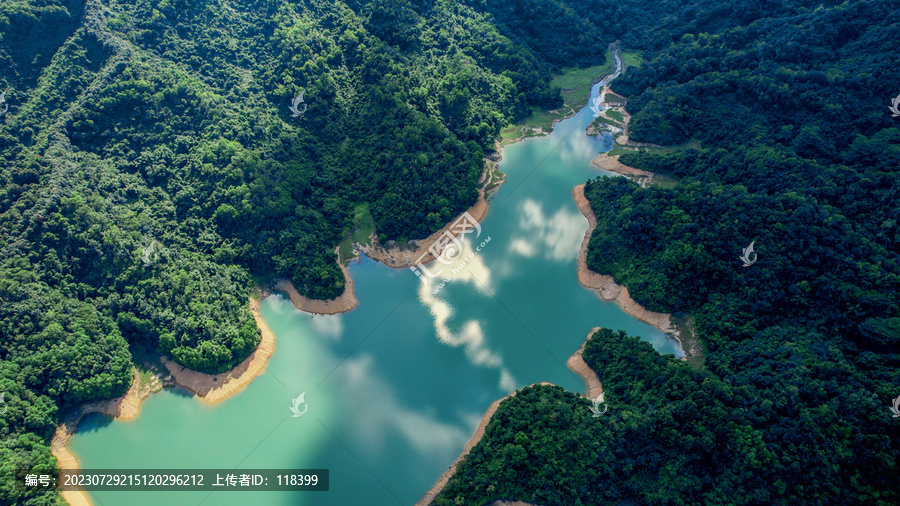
{"points": [[396, 387]]}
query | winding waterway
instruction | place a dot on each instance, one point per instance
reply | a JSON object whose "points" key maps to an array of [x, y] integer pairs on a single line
{"points": [[396, 387]]}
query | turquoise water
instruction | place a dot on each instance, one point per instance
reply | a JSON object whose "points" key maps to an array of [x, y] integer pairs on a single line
{"points": [[396, 387]]}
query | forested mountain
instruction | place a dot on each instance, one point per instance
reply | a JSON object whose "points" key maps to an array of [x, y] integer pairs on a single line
{"points": [[151, 173], [799, 155]]}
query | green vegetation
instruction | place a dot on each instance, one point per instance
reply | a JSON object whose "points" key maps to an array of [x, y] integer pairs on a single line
{"points": [[690, 341], [631, 59], [602, 120], [615, 115], [152, 174], [161, 129], [802, 348], [614, 99], [494, 179], [362, 229], [619, 151], [575, 88], [690, 145], [668, 432]]}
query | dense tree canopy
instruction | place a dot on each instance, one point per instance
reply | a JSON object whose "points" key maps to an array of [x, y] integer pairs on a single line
{"points": [[152, 174], [673, 434], [799, 155]]}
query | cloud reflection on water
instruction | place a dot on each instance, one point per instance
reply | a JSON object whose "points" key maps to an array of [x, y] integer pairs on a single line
{"points": [[559, 235], [374, 412], [382, 412], [331, 326], [470, 269]]}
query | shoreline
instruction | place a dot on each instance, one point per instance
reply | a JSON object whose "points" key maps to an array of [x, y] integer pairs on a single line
{"points": [[340, 304], [577, 364], [401, 256], [539, 131], [479, 433], [608, 290], [209, 389], [623, 140], [124, 408], [206, 387], [606, 285], [611, 163]]}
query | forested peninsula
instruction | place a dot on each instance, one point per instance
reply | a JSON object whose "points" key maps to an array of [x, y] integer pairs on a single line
{"points": [[152, 175]]}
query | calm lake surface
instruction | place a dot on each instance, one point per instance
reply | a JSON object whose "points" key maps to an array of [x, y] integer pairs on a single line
{"points": [[396, 387]]}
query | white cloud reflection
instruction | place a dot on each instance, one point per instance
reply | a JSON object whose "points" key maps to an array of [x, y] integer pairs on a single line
{"points": [[468, 268], [330, 326], [576, 150], [384, 413], [559, 236]]}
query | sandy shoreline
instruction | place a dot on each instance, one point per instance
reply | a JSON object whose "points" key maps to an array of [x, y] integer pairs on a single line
{"points": [[126, 408], [341, 304], [213, 388], [407, 255], [479, 433], [612, 164], [577, 364], [605, 284], [608, 290], [210, 388]]}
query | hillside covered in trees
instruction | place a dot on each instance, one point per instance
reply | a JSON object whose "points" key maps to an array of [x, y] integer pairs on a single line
{"points": [[800, 155], [151, 174]]}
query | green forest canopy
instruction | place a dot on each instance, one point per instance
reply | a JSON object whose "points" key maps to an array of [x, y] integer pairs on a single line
{"points": [[799, 154], [165, 123]]}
